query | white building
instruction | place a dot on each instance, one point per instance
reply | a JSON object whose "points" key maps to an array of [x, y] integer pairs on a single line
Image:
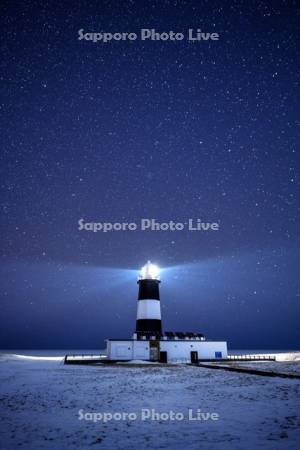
{"points": [[149, 343], [175, 350]]}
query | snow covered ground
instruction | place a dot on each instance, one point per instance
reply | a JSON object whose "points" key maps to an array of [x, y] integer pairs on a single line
{"points": [[274, 366], [41, 400]]}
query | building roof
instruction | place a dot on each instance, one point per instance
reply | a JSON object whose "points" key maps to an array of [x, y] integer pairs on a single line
{"points": [[166, 336]]}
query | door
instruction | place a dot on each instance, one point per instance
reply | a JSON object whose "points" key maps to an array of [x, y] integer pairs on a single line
{"points": [[163, 357], [154, 350], [194, 357]]}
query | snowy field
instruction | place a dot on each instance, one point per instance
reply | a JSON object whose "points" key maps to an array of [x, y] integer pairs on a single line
{"points": [[274, 366], [40, 400], [285, 362]]}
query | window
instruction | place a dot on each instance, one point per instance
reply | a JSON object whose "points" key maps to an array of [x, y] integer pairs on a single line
{"points": [[218, 354]]}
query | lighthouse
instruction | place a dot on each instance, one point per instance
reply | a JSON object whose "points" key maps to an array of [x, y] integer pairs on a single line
{"points": [[149, 342], [148, 320]]}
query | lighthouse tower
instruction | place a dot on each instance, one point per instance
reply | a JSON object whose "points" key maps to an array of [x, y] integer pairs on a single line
{"points": [[149, 343], [148, 321]]}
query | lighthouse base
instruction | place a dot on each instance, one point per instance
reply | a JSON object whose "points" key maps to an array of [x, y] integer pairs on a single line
{"points": [[165, 350]]}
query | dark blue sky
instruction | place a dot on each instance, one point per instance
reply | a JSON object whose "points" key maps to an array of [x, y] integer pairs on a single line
{"points": [[149, 129]]}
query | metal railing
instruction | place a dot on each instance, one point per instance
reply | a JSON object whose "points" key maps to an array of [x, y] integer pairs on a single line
{"points": [[84, 356], [252, 357]]}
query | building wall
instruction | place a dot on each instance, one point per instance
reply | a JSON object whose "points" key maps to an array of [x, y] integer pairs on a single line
{"points": [[122, 350], [141, 350], [176, 350]]}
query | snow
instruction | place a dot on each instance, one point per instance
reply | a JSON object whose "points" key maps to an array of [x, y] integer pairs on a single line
{"points": [[294, 356], [138, 362], [32, 358], [284, 366], [41, 399]]}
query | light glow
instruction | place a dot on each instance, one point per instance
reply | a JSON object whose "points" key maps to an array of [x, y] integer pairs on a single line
{"points": [[149, 272]]}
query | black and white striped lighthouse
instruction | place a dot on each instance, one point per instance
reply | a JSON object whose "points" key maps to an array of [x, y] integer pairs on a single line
{"points": [[148, 321]]}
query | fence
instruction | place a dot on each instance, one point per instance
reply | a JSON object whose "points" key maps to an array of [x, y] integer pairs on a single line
{"points": [[252, 357]]}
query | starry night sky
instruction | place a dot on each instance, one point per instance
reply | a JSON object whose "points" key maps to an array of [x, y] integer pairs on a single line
{"points": [[167, 130]]}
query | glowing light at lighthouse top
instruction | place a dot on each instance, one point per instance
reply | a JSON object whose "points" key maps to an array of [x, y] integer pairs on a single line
{"points": [[149, 272]]}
